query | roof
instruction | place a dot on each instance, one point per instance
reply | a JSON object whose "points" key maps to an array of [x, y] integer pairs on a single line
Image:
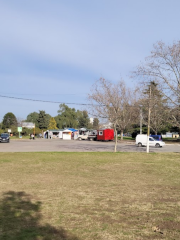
{"points": [[72, 129], [56, 130], [67, 130]]}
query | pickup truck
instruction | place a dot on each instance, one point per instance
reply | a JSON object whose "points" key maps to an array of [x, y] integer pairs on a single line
{"points": [[88, 136], [82, 137], [92, 137]]}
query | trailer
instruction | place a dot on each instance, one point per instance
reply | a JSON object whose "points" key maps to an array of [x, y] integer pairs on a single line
{"points": [[102, 135], [105, 134]]}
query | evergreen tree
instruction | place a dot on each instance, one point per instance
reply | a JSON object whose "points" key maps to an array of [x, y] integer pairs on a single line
{"points": [[9, 120], [67, 117], [43, 120], [160, 113], [96, 123], [52, 124], [83, 119]]}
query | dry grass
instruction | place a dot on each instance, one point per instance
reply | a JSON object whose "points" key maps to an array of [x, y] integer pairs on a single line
{"points": [[90, 196]]}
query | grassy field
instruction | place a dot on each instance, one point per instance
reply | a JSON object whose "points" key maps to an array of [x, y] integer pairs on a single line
{"points": [[89, 196], [127, 138]]}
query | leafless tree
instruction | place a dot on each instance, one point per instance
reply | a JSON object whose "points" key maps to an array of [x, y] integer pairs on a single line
{"points": [[112, 101], [163, 66], [20, 121]]}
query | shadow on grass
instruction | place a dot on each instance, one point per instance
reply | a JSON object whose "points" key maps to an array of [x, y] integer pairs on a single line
{"points": [[20, 220]]}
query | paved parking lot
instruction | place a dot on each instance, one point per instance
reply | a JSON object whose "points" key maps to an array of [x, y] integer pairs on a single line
{"points": [[58, 145]]}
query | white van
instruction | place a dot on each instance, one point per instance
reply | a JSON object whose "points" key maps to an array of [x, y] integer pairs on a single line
{"points": [[141, 140]]}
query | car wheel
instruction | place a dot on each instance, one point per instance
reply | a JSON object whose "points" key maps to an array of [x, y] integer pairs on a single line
{"points": [[157, 145], [80, 139], [139, 144]]}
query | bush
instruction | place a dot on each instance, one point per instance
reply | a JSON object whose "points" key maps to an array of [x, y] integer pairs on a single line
{"points": [[1, 131], [134, 134], [27, 131]]}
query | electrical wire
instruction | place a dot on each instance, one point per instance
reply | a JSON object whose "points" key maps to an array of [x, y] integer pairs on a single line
{"points": [[44, 94], [35, 100], [45, 101]]}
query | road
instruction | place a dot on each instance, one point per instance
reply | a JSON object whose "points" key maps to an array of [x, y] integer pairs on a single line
{"points": [[58, 145]]}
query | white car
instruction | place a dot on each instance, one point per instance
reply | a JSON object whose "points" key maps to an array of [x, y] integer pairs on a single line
{"points": [[141, 140]]}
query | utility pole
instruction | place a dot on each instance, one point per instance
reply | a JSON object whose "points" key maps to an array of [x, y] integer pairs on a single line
{"points": [[140, 120], [34, 130], [179, 104], [149, 113]]}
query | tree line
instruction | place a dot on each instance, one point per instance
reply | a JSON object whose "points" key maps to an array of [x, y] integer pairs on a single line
{"points": [[66, 118]]}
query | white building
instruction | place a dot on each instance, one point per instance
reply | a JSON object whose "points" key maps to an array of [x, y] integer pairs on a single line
{"points": [[91, 120], [66, 135]]}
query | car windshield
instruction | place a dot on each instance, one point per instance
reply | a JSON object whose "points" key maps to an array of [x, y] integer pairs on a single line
{"points": [[4, 135]]}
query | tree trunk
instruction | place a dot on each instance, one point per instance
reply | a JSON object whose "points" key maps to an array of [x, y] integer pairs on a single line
{"points": [[115, 146], [121, 134]]}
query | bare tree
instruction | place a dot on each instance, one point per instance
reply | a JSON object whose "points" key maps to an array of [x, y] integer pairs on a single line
{"points": [[163, 66], [20, 121], [113, 102]]}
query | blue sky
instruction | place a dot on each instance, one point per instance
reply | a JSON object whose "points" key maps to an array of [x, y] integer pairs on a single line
{"points": [[55, 50]]}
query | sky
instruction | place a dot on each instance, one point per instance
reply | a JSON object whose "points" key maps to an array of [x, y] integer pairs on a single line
{"points": [[56, 50]]}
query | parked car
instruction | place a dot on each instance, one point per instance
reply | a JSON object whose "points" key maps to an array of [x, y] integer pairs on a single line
{"points": [[157, 137], [141, 140], [4, 137]]}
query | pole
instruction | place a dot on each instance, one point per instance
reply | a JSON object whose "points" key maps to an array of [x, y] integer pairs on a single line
{"points": [[179, 104], [149, 113], [140, 120]]}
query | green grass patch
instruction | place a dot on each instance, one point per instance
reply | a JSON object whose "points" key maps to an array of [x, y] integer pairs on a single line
{"points": [[77, 196], [127, 138]]}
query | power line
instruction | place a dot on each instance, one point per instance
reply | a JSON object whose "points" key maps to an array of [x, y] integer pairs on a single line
{"points": [[45, 94], [35, 100], [45, 101]]}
